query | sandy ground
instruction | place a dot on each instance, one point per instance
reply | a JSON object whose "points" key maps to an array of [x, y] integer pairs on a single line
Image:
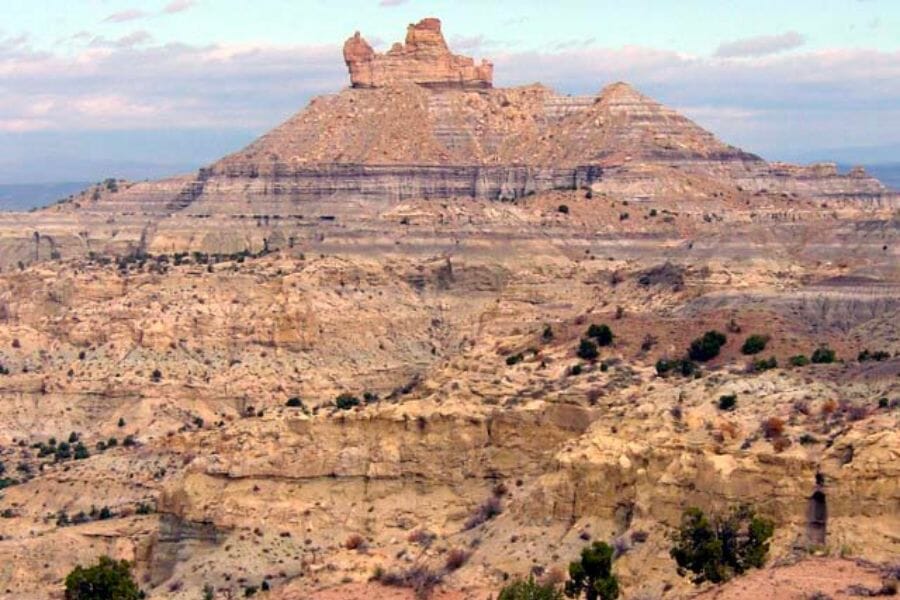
{"points": [[829, 576]]}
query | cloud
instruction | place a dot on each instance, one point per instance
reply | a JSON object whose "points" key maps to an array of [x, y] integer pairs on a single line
{"points": [[177, 6], [392, 2], [126, 15], [761, 45]]}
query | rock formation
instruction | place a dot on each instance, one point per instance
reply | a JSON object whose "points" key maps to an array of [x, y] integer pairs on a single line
{"points": [[424, 59]]}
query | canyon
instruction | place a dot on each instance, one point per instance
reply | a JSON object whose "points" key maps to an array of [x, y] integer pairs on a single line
{"points": [[352, 348]]}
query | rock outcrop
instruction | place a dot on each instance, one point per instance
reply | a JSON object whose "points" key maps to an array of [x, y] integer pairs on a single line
{"points": [[424, 59]]}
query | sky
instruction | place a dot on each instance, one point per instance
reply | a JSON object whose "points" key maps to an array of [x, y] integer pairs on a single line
{"points": [[146, 88]]}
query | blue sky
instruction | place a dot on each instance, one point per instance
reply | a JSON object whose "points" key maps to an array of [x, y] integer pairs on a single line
{"points": [[141, 88]]}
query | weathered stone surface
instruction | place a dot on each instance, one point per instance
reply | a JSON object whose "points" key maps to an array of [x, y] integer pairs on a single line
{"points": [[424, 59]]}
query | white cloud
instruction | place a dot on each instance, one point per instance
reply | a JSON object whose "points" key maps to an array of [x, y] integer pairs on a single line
{"points": [[177, 6], [392, 2], [126, 15], [761, 45]]}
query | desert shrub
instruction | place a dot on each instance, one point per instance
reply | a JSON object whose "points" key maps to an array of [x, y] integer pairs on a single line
{"points": [[727, 402], [707, 347], [156, 376], [755, 344], [563, 208], [715, 549], [129, 441], [602, 334], [822, 355], [882, 403], [420, 578], [346, 401], [294, 402], [105, 514], [878, 355], [547, 334], [592, 576], [355, 542], [587, 350], [107, 580], [422, 537], [772, 427], [489, 509], [81, 451], [576, 370], [764, 364], [456, 558], [799, 360], [681, 366], [513, 359], [529, 589]]}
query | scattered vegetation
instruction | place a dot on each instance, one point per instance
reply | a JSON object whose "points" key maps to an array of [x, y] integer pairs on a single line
{"points": [[754, 344], [107, 580], [591, 577], [718, 548], [294, 402], [563, 208], [489, 509]]}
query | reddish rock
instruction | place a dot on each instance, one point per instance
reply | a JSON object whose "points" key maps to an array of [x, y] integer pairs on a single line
{"points": [[424, 59]]}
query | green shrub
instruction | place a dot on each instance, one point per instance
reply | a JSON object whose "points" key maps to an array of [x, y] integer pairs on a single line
{"points": [[529, 589], [513, 359], [294, 402], [81, 451], [822, 355], [755, 344], [727, 402], [107, 580], [592, 576], [878, 355], [707, 347], [346, 401], [680, 366], [764, 364], [587, 350], [602, 334], [799, 360], [715, 549]]}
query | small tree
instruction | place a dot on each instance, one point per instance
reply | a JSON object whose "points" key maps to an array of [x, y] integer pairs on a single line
{"points": [[755, 344], [716, 549], [346, 401], [529, 589], [822, 355], [587, 350], [707, 347], [107, 580], [592, 575], [602, 334]]}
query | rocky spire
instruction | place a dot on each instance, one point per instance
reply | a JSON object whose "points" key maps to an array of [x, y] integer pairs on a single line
{"points": [[423, 59]]}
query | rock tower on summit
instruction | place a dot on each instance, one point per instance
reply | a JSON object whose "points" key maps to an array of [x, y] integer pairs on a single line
{"points": [[424, 59]]}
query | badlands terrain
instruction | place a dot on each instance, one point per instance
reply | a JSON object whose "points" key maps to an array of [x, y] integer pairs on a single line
{"points": [[348, 361]]}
